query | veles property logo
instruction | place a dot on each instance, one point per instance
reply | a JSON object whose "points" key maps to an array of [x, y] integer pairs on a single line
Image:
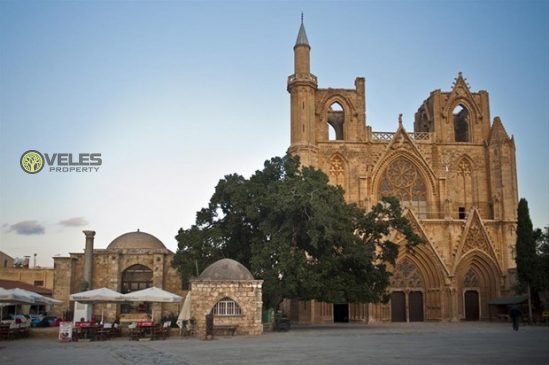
{"points": [[32, 162]]}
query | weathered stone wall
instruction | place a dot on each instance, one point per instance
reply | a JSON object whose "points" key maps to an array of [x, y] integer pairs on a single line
{"points": [[29, 276], [62, 280], [247, 293]]}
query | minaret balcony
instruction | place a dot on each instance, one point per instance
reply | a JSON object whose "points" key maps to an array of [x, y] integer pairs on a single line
{"points": [[305, 78]]}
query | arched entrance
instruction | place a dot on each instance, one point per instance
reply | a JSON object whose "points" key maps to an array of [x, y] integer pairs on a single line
{"points": [[407, 300], [398, 306], [477, 277], [472, 312], [136, 277]]}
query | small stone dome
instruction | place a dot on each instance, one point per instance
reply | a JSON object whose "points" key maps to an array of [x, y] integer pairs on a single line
{"points": [[226, 269], [136, 240]]}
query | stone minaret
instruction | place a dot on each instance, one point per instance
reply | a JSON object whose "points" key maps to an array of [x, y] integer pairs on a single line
{"points": [[302, 86]]}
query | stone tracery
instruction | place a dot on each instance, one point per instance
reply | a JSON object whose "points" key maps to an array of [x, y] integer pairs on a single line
{"points": [[336, 171], [403, 180], [407, 275]]}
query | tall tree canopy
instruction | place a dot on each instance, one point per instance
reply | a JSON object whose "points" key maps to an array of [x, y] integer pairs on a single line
{"points": [[542, 243], [529, 263], [296, 232]]}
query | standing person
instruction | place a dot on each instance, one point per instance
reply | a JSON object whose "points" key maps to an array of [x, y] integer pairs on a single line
{"points": [[515, 316]]}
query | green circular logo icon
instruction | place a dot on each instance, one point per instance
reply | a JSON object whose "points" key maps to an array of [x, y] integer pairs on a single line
{"points": [[32, 162]]}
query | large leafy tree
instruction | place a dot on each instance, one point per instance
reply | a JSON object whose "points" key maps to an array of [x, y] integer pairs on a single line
{"points": [[296, 232]]}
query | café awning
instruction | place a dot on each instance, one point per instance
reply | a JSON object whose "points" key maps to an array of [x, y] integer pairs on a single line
{"points": [[155, 295], [517, 299], [101, 295]]}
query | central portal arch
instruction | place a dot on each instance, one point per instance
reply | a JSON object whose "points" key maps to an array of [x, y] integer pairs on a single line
{"points": [[407, 297]]}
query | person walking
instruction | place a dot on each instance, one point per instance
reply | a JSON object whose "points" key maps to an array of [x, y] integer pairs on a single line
{"points": [[515, 316]]}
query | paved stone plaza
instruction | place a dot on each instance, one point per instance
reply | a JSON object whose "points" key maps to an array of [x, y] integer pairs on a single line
{"points": [[417, 343]]}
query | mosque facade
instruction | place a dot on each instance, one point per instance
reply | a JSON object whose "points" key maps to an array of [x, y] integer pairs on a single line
{"points": [[455, 175]]}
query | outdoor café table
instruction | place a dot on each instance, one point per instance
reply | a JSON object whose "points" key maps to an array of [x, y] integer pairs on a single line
{"points": [[87, 330], [145, 329]]}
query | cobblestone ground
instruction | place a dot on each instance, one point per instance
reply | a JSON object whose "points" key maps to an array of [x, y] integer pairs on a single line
{"points": [[417, 343]]}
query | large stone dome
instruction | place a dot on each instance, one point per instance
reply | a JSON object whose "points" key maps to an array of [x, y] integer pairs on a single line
{"points": [[226, 269], [136, 240]]}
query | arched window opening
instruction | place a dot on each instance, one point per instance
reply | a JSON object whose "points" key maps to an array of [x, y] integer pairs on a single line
{"points": [[463, 188], [226, 307], [427, 125], [403, 180], [336, 117], [135, 278], [461, 124]]}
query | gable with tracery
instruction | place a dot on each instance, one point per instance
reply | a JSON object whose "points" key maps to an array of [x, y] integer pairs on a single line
{"points": [[475, 237]]}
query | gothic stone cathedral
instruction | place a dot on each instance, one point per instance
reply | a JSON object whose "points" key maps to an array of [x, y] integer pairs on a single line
{"points": [[455, 174]]}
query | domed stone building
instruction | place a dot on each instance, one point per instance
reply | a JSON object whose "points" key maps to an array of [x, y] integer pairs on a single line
{"points": [[132, 261], [228, 290]]}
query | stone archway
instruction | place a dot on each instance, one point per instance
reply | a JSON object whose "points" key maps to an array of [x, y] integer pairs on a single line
{"points": [[136, 277], [407, 297], [477, 278]]}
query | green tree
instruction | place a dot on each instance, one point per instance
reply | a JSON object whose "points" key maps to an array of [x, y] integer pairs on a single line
{"points": [[526, 256], [542, 246], [296, 232]]}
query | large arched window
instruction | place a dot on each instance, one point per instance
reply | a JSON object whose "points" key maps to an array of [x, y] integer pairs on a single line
{"points": [[461, 124], [403, 180], [336, 117], [134, 278], [226, 307]]}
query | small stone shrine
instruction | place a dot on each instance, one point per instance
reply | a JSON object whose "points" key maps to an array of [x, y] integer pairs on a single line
{"points": [[227, 290]]}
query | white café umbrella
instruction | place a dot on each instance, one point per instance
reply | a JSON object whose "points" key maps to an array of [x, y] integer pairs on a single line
{"points": [[38, 298], [185, 314], [101, 295], [153, 294], [11, 297]]}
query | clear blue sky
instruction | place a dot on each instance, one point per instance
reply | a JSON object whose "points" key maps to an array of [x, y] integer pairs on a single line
{"points": [[176, 94]]}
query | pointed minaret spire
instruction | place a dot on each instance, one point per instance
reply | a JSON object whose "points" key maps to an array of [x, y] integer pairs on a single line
{"points": [[302, 35], [302, 86]]}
